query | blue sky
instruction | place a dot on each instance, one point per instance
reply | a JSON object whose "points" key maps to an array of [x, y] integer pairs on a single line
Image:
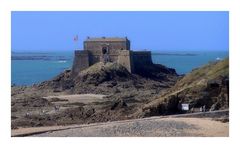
{"points": [[163, 31]]}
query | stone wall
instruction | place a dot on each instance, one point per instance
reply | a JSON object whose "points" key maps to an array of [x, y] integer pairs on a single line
{"points": [[132, 60], [125, 59], [81, 61], [118, 50], [96, 46], [94, 58], [141, 58]]}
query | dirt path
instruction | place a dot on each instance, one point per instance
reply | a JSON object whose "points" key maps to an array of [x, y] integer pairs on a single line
{"points": [[83, 98], [148, 127]]}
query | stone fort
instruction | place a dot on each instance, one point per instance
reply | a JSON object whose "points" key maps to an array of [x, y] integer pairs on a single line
{"points": [[109, 50]]}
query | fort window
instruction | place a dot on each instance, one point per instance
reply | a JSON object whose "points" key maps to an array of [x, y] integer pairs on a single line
{"points": [[104, 50]]}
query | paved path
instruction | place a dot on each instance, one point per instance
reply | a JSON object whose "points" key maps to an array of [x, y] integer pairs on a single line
{"points": [[147, 127]]}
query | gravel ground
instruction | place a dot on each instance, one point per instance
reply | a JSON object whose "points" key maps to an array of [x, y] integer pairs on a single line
{"points": [[151, 127]]}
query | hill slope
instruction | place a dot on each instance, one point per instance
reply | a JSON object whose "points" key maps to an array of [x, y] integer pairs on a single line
{"points": [[206, 86]]}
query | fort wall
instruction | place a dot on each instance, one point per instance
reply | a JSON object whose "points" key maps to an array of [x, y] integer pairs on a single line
{"points": [[81, 61], [140, 59], [113, 46], [125, 59], [116, 50]]}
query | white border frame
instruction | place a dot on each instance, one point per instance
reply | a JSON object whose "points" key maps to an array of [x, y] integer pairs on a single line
{"points": [[6, 6]]}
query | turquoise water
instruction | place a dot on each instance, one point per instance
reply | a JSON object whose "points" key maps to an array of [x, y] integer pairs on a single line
{"points": [[29, 68], [43, 66], [185, 61]]}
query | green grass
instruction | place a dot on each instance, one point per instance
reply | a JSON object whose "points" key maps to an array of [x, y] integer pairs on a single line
{"points": [[205, 73], [194, 81]]}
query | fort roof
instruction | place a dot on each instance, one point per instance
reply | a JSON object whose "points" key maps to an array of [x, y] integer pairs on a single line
{"points": [[107, 39]]}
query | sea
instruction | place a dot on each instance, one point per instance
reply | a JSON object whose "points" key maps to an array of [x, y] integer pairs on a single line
{"points": [[28, 68]]}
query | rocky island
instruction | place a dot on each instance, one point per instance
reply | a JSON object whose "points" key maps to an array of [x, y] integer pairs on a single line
{"points": [[110, 82]]}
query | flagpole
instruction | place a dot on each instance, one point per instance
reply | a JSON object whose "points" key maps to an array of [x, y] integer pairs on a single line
{"points": [[76, 42], [76, 45]]}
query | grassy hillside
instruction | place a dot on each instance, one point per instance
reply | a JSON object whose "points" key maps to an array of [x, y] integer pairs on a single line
{"points": [[208, 72], [207, 86]]}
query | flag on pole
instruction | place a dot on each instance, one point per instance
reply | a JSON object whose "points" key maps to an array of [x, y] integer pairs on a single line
{"points": [[75, 38]]}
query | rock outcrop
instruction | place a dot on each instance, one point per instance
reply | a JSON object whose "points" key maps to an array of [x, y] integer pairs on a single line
{"points": [[124, 92], [110, 78]]}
